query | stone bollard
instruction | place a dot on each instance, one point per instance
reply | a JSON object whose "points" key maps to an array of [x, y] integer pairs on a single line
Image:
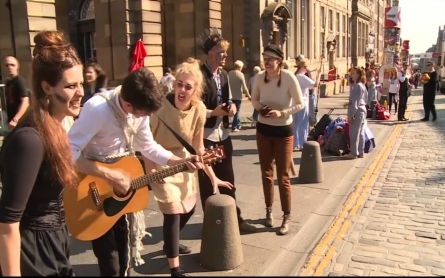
{"points": [[311, 164], [221, 247]]}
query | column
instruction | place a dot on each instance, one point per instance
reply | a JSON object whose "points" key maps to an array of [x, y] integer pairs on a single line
{"points": [[29, 18], [103, 39], [6, 39], [152, 34], [233, 26]]}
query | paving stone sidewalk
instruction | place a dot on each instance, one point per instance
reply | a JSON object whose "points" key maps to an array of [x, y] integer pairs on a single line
{"points": [[400, 231]]}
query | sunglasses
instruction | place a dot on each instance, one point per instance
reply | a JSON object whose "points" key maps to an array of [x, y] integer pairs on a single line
{"points": [[187, 87]]}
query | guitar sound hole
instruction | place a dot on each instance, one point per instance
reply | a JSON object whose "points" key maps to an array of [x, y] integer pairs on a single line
{"points": [[120, 195]]}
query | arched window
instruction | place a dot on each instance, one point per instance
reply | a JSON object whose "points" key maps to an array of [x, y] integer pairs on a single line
{"points": [[87, 10]]}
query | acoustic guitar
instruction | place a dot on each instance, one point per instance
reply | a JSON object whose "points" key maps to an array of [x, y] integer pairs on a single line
{"points": [[92, 208]]}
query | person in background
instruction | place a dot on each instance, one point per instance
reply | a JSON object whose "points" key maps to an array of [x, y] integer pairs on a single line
{"points": [[238, 87], [404, 85], [301, 118], [36, 165], [350, 79], [276, 95], [254, 118], [16, 93], [393, 92], [357, 114], [95, 81], [168, 80], [312, 109], [370, 81], [429, 93], [285, 65]]}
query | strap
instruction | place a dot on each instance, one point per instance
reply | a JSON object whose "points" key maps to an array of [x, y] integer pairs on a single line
{"points": [[122, 119], [184, 143]]}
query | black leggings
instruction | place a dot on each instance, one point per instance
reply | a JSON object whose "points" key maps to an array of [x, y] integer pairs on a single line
{"points": [[391, 100], [173, 224]]}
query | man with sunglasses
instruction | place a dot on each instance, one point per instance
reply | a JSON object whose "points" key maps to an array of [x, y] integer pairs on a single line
{"points": [[218, 100], [429, 93]]}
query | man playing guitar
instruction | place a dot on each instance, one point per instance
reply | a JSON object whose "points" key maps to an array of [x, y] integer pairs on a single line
{"points": [[104, 132]]}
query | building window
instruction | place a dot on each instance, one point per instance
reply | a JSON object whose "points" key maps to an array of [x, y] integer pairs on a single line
{"points": [[322, 45], [359, 39], [331, 21], [344, 24], [304, 39], [344, 45], [322, 17], [337, 19], [87, 10]]}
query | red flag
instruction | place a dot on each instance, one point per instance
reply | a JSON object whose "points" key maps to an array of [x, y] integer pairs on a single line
{"points": [[138, 56]]}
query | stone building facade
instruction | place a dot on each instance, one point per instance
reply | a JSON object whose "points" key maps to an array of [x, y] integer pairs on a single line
{"points": [[105, 30]]}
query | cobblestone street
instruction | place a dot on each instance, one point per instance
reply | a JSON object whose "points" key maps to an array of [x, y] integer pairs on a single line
{"points": [[400, 229]]}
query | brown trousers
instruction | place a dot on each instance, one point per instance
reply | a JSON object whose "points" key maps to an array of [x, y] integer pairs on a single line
{"points": [[279, 149]]}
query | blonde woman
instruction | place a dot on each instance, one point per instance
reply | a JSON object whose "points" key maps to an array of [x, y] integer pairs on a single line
{"points": [[276, 95], [184, 112]]}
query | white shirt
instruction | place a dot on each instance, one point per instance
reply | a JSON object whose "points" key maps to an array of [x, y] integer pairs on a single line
{"points": [[394, 85], [306, 83], [97, 132]]}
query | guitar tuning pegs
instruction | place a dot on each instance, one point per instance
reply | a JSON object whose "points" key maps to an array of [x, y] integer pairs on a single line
{"points": [[211, 147]]}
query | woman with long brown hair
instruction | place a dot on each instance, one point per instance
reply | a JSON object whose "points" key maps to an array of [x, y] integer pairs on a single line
{"points": [[36, 165], [95, 81], [276, 95]]}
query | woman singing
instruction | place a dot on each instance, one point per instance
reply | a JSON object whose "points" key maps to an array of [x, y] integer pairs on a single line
{"points": [[36, 165], [185, 113], [276, 95], [357, 114]]}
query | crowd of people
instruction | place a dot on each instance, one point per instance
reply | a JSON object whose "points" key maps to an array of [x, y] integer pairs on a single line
{"points": [[68, 120]]}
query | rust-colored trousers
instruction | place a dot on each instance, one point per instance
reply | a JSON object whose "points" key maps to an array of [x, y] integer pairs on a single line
{"points": [[279, 149]]}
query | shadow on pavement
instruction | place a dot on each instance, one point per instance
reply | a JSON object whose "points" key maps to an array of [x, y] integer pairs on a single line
{"points": [[192, 231], [79, 247]]}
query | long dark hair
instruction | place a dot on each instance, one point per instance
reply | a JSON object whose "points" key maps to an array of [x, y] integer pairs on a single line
{"points": [[53, 54], [101, 76]]}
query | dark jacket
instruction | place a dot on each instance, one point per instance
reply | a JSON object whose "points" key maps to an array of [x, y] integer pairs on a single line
{"points": [[210, 94], [429, 88]]}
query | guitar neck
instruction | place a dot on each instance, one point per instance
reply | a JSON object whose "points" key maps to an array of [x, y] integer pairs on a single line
{"points": [[145, 180]]}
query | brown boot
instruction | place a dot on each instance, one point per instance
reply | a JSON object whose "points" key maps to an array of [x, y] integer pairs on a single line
{"points": [[269, 217], [284, 229]]}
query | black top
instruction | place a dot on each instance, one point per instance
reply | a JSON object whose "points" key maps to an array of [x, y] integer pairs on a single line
{"points": [[210, 94], [430, 86], [30, 195], [15, 90]]}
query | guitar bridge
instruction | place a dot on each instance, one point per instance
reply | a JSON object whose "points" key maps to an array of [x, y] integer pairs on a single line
{"points": [[96, 196]]}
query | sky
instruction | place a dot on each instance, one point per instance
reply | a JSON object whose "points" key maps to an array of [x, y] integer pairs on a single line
{"points": [[420, 22]]}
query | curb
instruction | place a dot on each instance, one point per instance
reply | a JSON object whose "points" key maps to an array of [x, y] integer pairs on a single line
{"points": [[294, 255], [326, 249]]}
